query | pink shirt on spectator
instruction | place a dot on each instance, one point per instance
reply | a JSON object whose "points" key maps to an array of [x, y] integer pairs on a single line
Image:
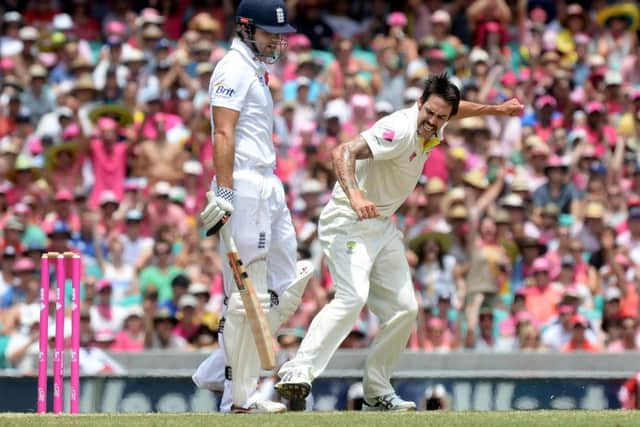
{"points": [[186, 332], [173, 216], [618, 347], [149, 130], [609, 142], [542, 302], [436, 165], [124, 342], [67, 179], [109, 170]]}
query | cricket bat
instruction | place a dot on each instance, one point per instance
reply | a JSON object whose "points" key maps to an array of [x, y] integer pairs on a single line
{"points": [[257, 319]]}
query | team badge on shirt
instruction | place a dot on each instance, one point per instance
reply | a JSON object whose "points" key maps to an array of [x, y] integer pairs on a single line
{"points": [[387, 135], [351, 245]]}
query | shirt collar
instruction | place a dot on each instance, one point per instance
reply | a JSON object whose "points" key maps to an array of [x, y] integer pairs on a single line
{"points": [[247, 54]]}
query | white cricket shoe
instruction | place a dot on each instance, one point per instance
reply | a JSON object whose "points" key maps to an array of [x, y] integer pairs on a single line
{"points": [[260, 407], [294, 385], [389, 402]]}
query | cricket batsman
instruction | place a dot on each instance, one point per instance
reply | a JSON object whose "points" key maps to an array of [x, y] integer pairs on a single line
{"points": [[247, 196], [366, 257]]}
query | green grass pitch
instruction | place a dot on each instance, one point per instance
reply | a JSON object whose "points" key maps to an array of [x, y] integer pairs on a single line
{"points": [[336, 419]]}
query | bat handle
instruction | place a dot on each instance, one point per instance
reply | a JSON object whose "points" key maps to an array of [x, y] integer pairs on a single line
{"points": [[227, 238], [213, 230]]}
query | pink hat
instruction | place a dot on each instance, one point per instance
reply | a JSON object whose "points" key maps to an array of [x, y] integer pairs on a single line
{"points": [[538, 15], [102, 284], [131, 185], [299, 40], [397, 19], [107, 123], [595, 106], [540, 264], [581, 38], [577, 96], [116, 27], [492, 27], [435, 322], [108, 196], [48, 59], [151, 16], [441, 16], [7, 63], [360, 100], [307, 126], [524, 316], [555, 162], [104, 335], [71, 131], [35, 146], [572, 291], [21, 208], [588, 151], [64, 196], [566, 309], [622, 259], [545, 100], [436, 54], [24, 264], [509, 79], [579, 319]]}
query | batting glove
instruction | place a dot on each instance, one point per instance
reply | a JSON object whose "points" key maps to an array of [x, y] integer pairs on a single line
{"points": [[218, 210]]}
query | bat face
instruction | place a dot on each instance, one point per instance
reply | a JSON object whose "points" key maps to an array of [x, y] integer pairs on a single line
{"points": [[257, 319]]}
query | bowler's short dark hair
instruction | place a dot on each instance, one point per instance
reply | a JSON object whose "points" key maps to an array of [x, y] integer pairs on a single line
{"points": [[440, 85]]}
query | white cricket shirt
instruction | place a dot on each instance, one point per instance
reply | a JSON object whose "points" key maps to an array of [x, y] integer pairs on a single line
{"points": [[238, 82], [398, 160]]}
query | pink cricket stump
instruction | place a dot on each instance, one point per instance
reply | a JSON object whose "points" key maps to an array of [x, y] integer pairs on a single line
{"points": [[75, 334], [44, 334], [58, 355]]}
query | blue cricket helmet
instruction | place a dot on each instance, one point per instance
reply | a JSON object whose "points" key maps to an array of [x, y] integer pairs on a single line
{"points": [[268, 15]]}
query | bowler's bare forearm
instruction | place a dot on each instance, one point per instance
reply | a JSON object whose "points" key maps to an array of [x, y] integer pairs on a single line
{"points": [[344, 163], [512, 107], [472, 109]]}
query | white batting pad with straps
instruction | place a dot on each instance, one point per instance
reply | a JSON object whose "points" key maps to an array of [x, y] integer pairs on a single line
{"points": [[239, 345], [290, 299], [210, 373]]}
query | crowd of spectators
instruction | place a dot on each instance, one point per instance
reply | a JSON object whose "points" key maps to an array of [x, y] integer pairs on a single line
{"points": [[523, 233]]}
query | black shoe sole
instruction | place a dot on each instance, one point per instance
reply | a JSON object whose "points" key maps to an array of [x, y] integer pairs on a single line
{"points": [[297, 405], [294, 391]]}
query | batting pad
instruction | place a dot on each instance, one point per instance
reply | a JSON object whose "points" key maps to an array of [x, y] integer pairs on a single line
{"points": [[239, 344], [290, 299]]}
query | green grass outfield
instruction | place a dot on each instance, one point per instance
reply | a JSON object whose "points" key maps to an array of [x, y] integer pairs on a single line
{"points": [[336, 419]]}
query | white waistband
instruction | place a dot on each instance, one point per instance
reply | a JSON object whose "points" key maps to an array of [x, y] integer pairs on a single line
{"points": [[260, 170]]}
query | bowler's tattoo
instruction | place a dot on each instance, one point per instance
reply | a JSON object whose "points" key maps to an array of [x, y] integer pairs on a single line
{"points": [[344, 161]]}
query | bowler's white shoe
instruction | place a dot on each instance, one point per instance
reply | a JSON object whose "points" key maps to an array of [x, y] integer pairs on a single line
{"points": [[389, 402], [260, 407], [294, 385]]}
